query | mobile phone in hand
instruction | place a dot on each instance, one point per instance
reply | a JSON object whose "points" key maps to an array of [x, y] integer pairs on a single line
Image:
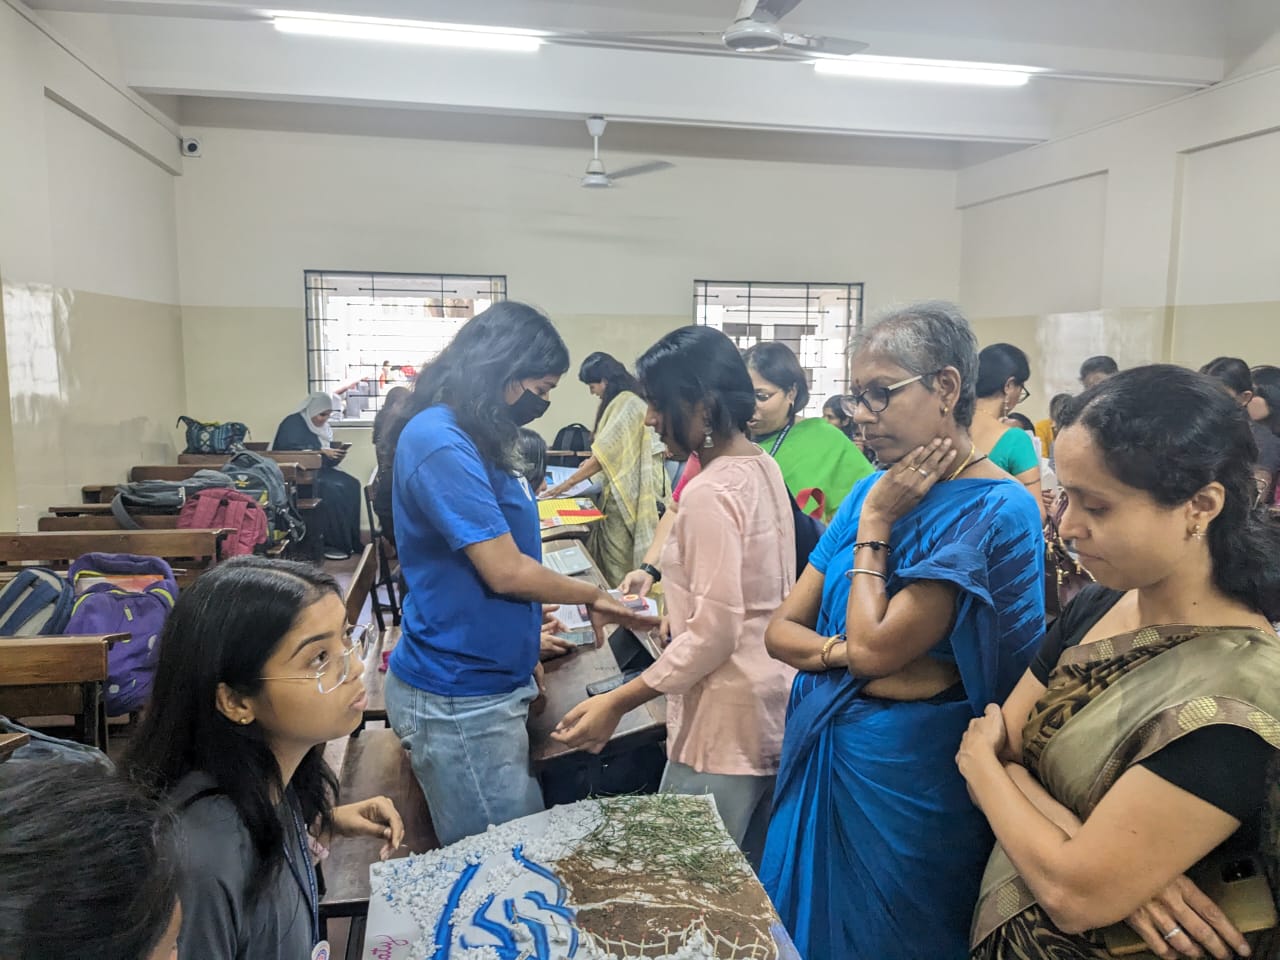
{"points": [[611, 683]]}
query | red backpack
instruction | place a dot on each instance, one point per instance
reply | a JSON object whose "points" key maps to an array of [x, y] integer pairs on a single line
{"points": [[221, 507]]}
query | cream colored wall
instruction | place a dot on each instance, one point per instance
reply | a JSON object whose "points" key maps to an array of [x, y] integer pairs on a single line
{"points": [[8, 473], [1151, 238], [614, 269], [92, 334]]}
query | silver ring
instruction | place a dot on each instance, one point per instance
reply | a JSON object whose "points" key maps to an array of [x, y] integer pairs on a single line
{"points": [[1173, 933], [921, 470]]}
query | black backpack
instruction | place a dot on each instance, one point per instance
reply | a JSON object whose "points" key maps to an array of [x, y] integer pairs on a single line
{"points": [[575, 437], [261, 478]]}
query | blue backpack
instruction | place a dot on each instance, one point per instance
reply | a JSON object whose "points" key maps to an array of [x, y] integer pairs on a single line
{"points": [[107, 605], [35, 603]]}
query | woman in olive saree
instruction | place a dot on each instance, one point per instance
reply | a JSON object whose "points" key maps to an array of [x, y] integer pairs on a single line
{"points": [[1137, 756]]}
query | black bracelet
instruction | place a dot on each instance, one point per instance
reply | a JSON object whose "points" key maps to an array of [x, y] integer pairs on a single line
{"points": [[876, 545], [652, 571]]}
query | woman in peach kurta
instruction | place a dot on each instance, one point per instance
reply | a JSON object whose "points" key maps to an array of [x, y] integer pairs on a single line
{"points": [[728, 565]]}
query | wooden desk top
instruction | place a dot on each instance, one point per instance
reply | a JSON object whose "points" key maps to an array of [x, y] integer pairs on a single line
{"points": [[9, 742], [566, 681]]}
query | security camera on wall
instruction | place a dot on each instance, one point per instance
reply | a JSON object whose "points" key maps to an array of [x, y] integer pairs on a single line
{"points": [[190, 147]]}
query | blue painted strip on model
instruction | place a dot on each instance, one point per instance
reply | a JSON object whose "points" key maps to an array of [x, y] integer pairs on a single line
{"points": [[444, 926], [506, 948]]}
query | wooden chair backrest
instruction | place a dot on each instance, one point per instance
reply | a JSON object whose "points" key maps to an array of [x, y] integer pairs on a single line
{"points": [[148, 521], [361, 584], [81, 510], [303, 459], [16, 548], [55, 677], [188, 470], [37, 661], [189, 552]]}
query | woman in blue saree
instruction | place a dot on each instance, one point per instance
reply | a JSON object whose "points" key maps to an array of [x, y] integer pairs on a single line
{"points": [[923, 601]]}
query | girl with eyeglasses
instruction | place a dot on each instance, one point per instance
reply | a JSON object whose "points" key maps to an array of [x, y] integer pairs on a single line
{"points": [[258, 671], [1003, 372]]}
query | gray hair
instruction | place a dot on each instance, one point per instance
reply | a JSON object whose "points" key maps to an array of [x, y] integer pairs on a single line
{"points": [[924, 337]]}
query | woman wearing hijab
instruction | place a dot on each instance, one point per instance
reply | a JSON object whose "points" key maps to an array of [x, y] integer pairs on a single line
{"points": [[337, 518]]}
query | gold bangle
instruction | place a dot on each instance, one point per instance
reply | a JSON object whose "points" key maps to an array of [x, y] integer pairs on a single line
{"points": [[826, 649]]}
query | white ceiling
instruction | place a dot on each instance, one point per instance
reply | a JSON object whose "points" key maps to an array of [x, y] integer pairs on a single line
{"points": [[226, 66]]}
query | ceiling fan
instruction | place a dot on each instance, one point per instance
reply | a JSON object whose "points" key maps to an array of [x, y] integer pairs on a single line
{"points": [[755, 31], [596, 175]]}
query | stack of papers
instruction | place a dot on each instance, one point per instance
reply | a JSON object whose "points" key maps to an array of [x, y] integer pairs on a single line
{"points": [[559, 513]]}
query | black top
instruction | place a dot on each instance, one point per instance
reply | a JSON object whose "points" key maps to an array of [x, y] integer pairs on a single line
{"points": [[293, 434], [1223, 765], [219, 918]]}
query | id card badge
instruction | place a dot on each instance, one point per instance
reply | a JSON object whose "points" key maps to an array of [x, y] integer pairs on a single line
{"points": [[321, 951]]}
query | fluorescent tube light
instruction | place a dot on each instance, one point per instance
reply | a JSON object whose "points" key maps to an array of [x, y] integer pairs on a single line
{"points": [[407, 31], [927, 71]]}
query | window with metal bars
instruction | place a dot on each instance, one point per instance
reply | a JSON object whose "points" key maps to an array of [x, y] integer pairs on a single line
{"points": [[816, 320], [369, 332]]}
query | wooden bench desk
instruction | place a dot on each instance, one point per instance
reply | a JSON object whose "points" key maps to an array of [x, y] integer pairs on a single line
{"points": [[189, 552], [10, 742], [289, 470], [566, 680], [57, 676], [107, 521], [375, 765], [302, 459], [81, 510]]}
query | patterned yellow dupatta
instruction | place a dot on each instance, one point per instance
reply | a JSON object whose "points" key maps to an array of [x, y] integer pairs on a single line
{"points": [[630, 456], [1109, 705]]}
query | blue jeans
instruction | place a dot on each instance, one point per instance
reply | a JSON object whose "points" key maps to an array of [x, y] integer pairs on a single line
{"points": [[471, 755]]}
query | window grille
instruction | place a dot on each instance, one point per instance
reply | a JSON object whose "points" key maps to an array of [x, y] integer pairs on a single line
{"points": [[816, 320], [369, 332]]}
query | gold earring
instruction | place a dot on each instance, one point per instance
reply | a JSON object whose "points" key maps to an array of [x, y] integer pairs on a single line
{"points": [[1195, 532], [244, 720], [945, 410]]}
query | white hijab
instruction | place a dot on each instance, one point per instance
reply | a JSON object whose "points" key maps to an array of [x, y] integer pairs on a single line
{"points": [[315, 404]]}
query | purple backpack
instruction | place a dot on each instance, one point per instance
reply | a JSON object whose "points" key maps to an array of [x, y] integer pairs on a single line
{"points": [[108, 602]]}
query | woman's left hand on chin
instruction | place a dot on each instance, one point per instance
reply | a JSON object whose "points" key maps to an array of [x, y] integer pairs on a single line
{"points": [[985, 738], [905, 483], [375, 817]]}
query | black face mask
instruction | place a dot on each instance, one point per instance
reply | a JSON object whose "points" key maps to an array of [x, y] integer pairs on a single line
{"points": [[528, 408]]}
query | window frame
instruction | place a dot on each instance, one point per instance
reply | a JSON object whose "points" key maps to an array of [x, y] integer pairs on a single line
{"points": [[856, 290], [316, 380]]}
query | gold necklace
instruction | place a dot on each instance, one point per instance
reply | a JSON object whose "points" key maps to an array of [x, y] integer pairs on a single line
{"points": [[972, 449]]}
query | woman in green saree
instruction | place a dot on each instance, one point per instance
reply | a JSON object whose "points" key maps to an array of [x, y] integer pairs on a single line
{"points": [[630, 456], [1137, 755], [819, 464]]}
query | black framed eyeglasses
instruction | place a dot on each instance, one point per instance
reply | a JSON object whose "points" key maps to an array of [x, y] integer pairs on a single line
{"points": [[876, 399], [1025, 395]]}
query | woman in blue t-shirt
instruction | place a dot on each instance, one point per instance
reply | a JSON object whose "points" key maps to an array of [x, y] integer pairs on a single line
{"points": [[461, 680]]}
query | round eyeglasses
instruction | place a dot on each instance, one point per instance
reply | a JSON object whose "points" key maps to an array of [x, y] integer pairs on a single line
{"points": [[336, 672], [875, 399]]}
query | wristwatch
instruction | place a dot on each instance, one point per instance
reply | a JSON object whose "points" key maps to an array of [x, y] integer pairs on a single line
{"points": [[652, 571]]}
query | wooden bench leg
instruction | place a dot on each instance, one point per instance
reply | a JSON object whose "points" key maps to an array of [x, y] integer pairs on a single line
{"points": [[95, 721], [384, 575], [355, 938]]}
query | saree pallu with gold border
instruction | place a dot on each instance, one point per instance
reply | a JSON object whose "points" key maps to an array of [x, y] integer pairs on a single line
{"points": [[631, 458], [1110, 705]]}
